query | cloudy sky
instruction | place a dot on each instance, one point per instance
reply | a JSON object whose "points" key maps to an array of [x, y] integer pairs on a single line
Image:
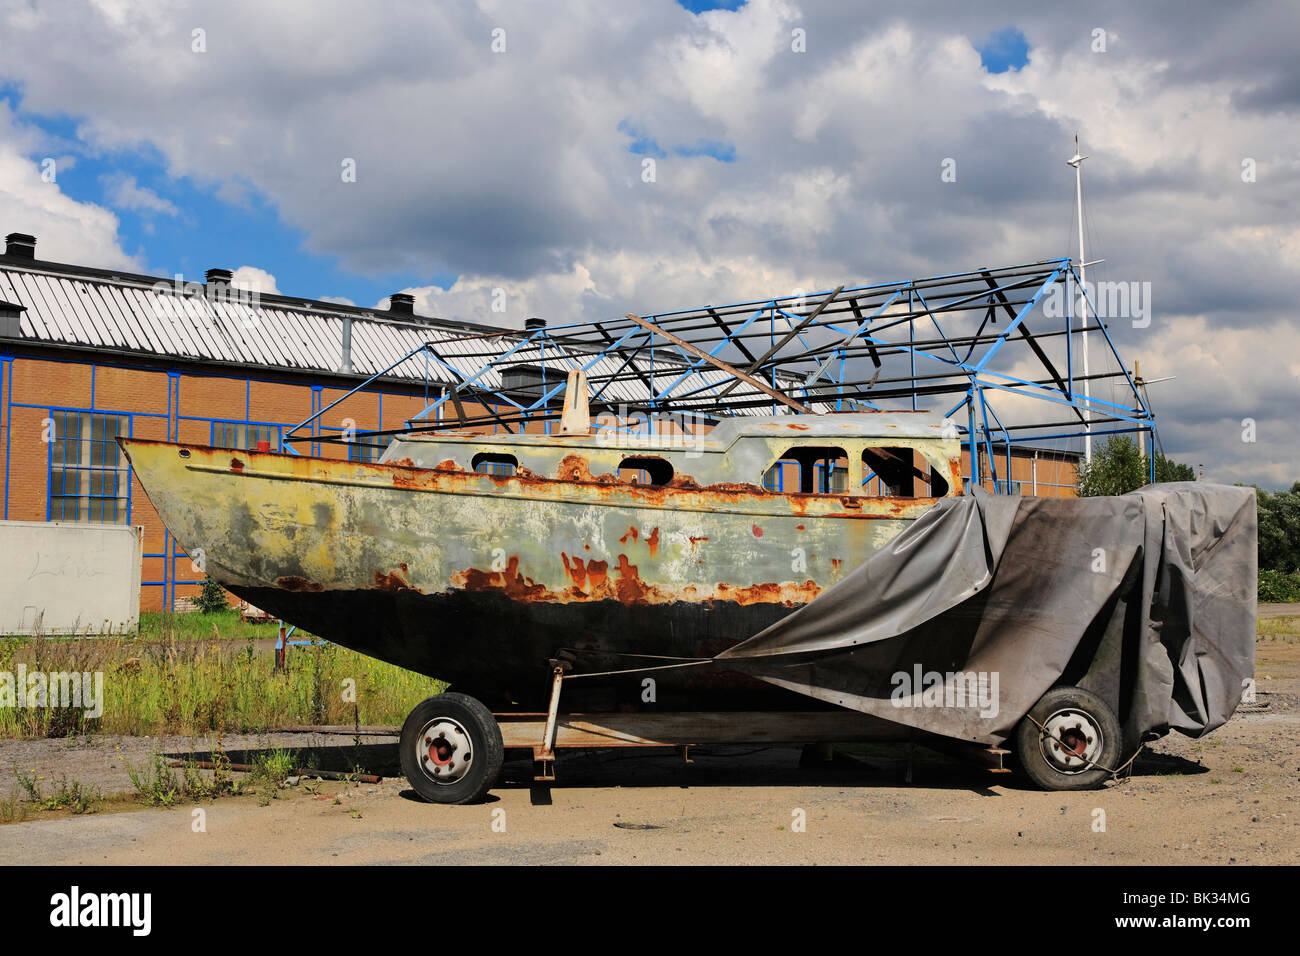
{"points": [[346, 150]]}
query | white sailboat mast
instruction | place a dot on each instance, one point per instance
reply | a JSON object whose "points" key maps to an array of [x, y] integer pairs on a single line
{"points": [[1077, 162]]}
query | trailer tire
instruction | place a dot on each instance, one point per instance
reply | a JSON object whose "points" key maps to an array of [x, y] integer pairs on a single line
{"points": [[451, 749], [1081, 745]]}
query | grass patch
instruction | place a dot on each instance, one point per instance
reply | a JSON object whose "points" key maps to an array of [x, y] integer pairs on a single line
{"points": [[171, 679], [223, 625], [1278, 628]]}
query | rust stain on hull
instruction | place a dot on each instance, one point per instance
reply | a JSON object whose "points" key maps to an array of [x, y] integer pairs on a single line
{"points": [[592, 583], [291, 582], [509, 582], [392, 581]]}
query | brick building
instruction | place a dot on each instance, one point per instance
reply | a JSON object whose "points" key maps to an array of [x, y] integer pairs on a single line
{"points": [[90, 354]]}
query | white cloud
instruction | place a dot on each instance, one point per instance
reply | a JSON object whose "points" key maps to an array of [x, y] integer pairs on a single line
{"points": [[123, 192], [66, 230], [254, 279]]}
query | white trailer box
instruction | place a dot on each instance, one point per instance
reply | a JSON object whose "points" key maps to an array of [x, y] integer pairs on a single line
{"points": [[59, 577]]}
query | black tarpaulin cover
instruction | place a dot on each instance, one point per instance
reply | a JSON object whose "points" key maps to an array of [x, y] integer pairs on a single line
{"points": [[964, 620]]}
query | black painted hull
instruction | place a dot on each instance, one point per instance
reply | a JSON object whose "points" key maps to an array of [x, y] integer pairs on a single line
{"points": [[499, 650]]}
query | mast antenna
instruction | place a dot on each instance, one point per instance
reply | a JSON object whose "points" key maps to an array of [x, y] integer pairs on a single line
{"points": [[1077, 162]]}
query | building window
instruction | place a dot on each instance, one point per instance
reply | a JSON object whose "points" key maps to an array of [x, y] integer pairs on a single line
{"points": [[365, 448], [88, 476], [244, 436]]}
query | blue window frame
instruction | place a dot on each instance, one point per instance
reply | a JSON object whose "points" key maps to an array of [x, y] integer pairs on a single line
{"points": [[244, 435], [89, 479], [365, 448]]}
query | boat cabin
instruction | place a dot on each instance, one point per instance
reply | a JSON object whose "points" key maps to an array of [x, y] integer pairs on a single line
{"points": [[874, 454]]}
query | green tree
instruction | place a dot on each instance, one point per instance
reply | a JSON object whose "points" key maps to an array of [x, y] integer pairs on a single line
{"points": [[1167, 470], [212, 597], [1279, 529], [1117, 467]]}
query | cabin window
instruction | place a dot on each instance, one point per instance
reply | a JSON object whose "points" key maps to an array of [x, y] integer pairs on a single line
{"points": [[503, 466], [645, 471], [810, 469], [900, 472]]}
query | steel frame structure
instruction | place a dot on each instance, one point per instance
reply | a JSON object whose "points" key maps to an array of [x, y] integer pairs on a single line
{"points": [[960, 341]]}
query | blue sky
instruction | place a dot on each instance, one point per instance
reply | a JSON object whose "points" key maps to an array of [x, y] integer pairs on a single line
{"points": [[643, 144], [206, 231], [700, 6], [1005, 50]]}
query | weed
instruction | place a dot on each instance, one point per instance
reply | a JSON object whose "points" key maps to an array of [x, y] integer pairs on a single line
{"points": [[12, 808], [155, 783], [69, 796], [273, 766]]}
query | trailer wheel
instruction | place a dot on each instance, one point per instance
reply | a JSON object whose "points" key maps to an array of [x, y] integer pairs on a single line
{"points": [[1075, 746], [451, 749]]}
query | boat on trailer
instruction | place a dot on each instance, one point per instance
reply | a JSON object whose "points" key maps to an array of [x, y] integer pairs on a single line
{"points": [[763, 581], [670, 589]]}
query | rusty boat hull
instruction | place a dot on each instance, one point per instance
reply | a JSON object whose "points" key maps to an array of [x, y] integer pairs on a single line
{"points": [[482, 580]]}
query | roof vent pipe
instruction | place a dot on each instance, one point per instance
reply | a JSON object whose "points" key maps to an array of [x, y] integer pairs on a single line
{"points": [[533, 324], [347, 344], [401, 303], [20, 245], [219, 277]]}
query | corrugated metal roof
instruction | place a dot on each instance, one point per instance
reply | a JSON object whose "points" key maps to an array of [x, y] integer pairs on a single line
{"points": [[71, 306]]}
